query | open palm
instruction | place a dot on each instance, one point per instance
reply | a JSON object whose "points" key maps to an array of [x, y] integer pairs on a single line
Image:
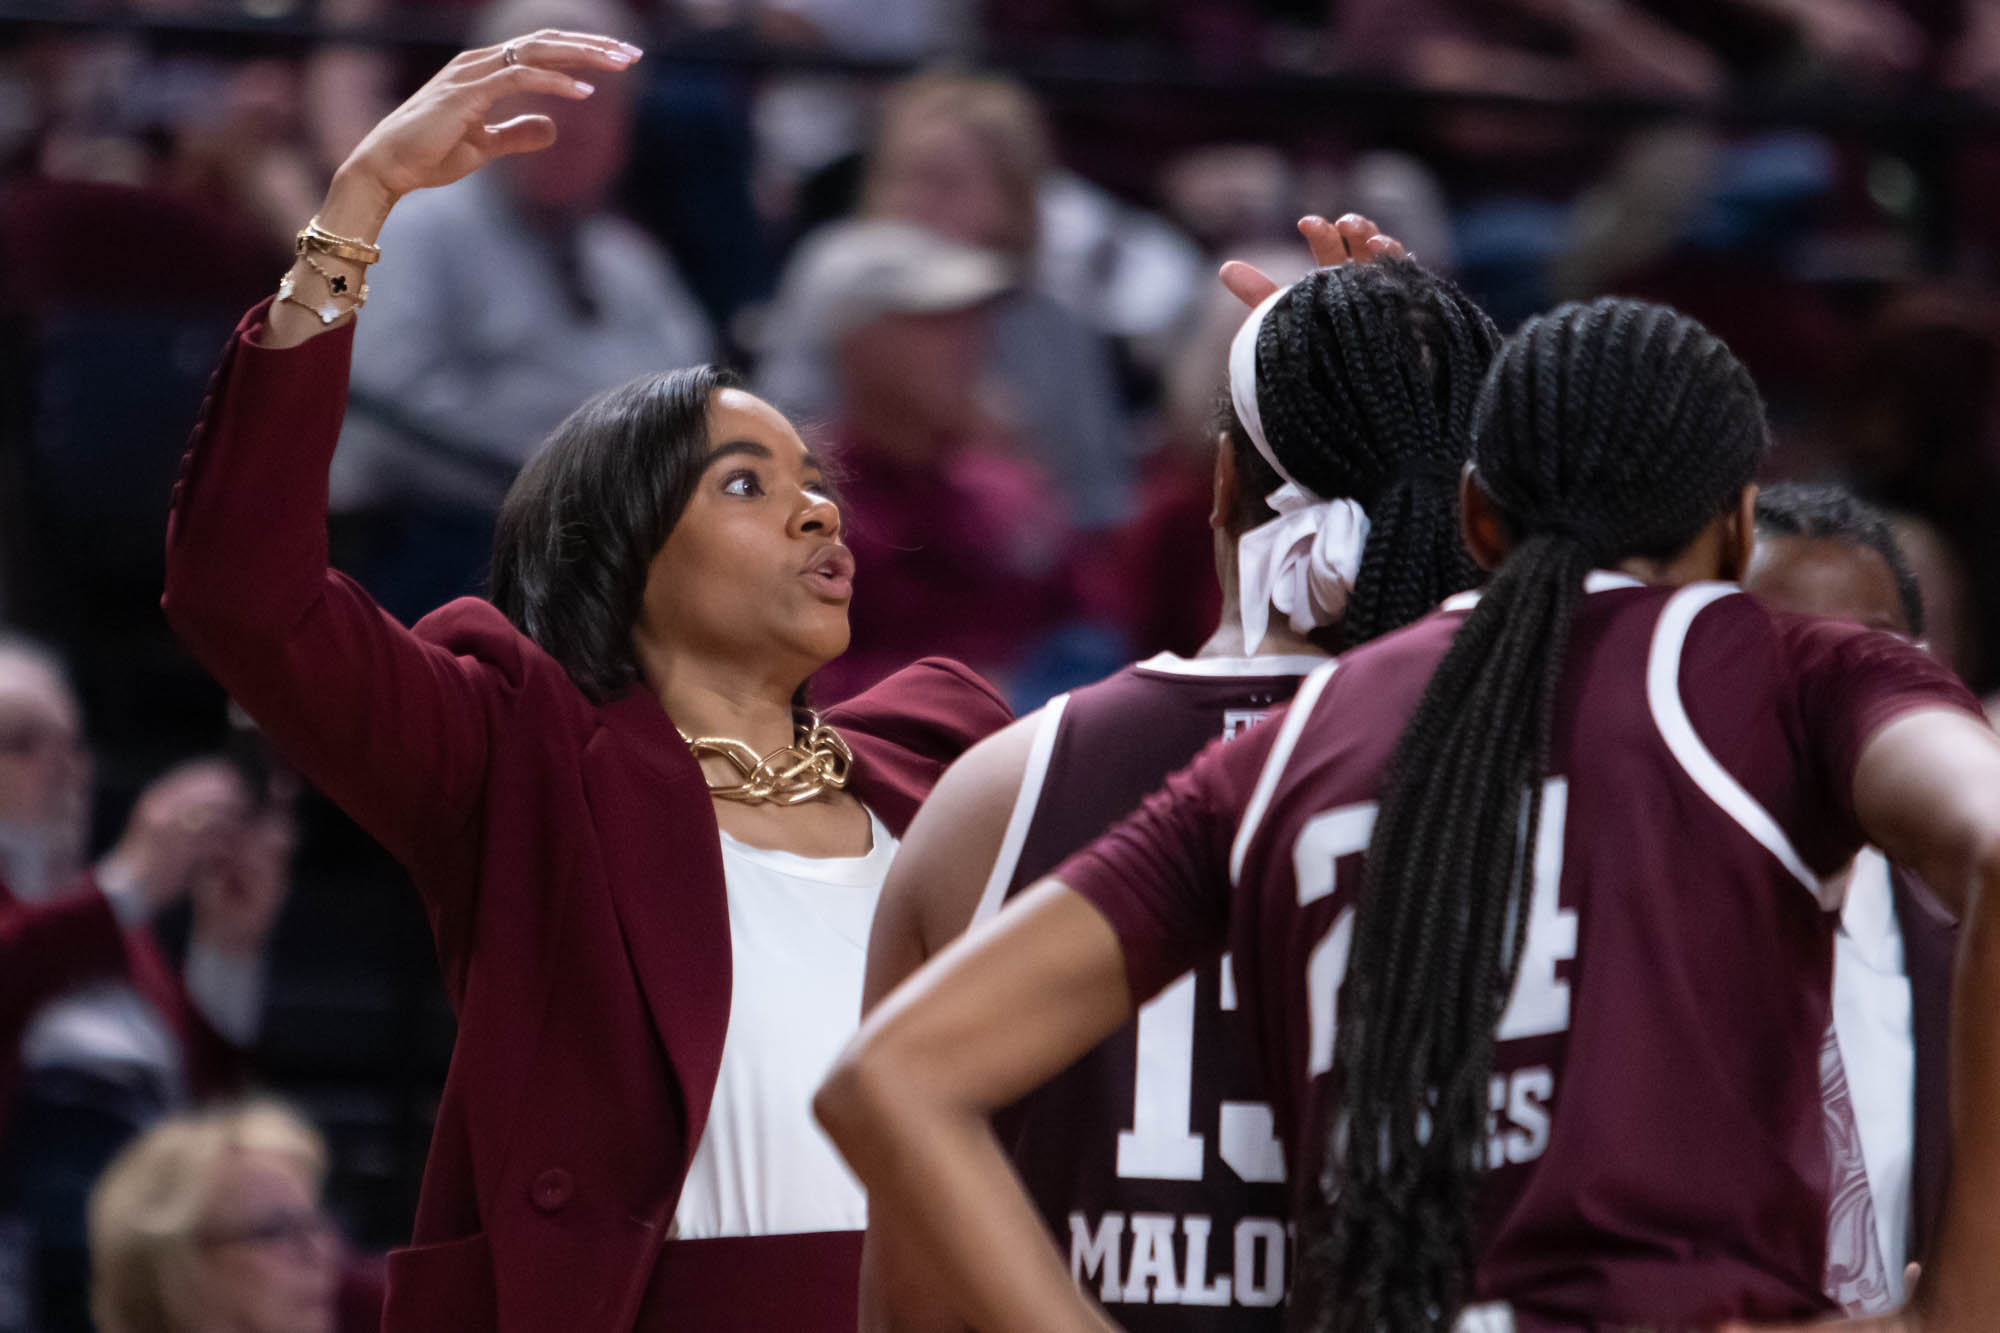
{"points": [[442, 132]]}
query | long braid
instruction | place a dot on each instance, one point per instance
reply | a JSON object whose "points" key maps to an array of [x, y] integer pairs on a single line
{"points": [[1368, 374], [1603, 431]]}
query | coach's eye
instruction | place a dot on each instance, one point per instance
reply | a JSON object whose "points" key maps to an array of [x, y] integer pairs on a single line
{"points": [[744, 483]]}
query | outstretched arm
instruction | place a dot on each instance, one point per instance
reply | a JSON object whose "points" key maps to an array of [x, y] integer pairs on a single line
{"points": [[1006, 1007], [1927, 792], [438, 136], [392, 727], [990, 1019], [935, 887]]}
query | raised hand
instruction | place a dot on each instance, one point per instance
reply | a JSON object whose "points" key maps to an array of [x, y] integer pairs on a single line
{"points": [[1353, 239], [442, 132], [236, 898], [184, 823]]}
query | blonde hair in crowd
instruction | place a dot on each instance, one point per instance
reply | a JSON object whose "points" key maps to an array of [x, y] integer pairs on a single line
{"points": [[147, 1207], [999, 113]]}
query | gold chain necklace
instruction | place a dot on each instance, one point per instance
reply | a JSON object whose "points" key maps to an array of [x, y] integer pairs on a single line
{"points": [[815, 763]]}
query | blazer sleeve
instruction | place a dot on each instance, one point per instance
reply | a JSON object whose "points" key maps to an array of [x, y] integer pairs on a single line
{"points": [[393, 726], [906, 730]]}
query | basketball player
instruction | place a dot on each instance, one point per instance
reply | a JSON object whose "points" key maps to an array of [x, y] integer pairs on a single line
{"points": [[1152, 1160], [1820, 551], [1574, 835]]}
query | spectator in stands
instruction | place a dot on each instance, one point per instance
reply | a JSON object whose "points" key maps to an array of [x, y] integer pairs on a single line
{"points": [[501, 302], [1913, 425], [966, 156], [98, 1037], [1822, 552], [213, 1222], [959, 544]]}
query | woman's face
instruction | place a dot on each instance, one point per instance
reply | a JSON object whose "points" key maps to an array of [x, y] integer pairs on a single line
{"points": [[942, 177], [269, 1258], [754, 572]]}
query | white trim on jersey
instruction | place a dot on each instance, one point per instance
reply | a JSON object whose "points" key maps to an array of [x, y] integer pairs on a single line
{"points": [[1597, 580], [1040, 750], [1278, 664], [1274, 763], [1663, 696]]}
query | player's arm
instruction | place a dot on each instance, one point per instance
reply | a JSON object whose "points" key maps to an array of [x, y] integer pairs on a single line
{"points": [[994, 1016], [1927, 792], [934, 887], [1006, 1007], [946, 858]]}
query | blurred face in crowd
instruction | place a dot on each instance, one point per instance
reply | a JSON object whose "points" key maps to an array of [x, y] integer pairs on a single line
{"points": [[919, 370], [575, 180], [753, 571], [1817, 576], [44, 766], [269, 1260], [940, 175]]}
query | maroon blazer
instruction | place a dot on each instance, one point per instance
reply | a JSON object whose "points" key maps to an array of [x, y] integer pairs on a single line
{"points": [[567, 855], [50, 947]]}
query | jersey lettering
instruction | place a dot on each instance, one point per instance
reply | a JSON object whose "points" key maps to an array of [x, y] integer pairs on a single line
{"points": [[1160, 1145], [1135, 1261], [1518, 1129]]}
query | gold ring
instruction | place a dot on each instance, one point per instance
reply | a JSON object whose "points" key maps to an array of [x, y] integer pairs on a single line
{"points": [[508, 55]]}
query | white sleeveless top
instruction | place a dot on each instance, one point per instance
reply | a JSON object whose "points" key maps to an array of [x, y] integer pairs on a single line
{"points": [[798, 935], [1872, 1022]]}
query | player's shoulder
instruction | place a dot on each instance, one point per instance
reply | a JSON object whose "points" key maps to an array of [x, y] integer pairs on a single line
{"points": [[1726, 627], [1169, 685]]}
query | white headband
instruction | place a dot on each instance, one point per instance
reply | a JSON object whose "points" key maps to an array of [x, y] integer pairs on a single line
{"points": [[1304, 561], [1243, 381]]}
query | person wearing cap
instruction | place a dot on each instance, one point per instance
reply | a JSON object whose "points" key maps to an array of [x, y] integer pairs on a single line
{"points": [[961, 540], [968, 155], [650, 867]]}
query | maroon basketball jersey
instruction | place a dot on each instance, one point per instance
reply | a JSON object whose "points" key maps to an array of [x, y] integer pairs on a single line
{"points": [[1152, 1159], [1655, 1147]]}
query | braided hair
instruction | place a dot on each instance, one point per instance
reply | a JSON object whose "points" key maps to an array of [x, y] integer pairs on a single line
{"points": [[1366, 379], [1604, 431]]}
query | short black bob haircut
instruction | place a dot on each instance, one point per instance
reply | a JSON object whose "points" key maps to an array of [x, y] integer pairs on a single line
{"points": [[583, 520], [1825, 512]]}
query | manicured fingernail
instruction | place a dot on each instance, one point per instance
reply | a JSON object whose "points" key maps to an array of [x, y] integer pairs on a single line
{"points": [[621, 56], [585, 88], [1312, 220], [633, 51]]}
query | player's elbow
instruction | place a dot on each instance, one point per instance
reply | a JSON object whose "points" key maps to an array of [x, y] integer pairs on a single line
{"points": [[855, 1100]]}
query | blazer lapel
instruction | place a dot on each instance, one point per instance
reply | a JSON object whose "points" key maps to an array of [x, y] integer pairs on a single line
{"points": [[663, 857]]}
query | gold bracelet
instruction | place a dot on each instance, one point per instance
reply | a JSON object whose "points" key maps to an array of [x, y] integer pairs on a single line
{"points": [[329, 310], [338, 284], [351, 248]]}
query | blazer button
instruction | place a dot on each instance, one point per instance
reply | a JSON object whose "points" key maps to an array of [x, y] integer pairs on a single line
{"points": [[552, 1189]]}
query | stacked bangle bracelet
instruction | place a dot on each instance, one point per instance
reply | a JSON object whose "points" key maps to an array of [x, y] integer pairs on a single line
{"points": [[314, 240], [312, 236]]}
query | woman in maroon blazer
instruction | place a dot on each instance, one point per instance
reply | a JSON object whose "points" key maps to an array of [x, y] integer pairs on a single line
{"points": [[649, 977]]}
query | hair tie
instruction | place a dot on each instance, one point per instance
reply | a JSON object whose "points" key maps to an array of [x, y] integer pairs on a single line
{"points": [[1568, 530], [1303, 562]]}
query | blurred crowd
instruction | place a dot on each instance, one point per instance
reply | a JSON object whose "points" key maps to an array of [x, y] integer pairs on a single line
{"points": [[993, 298]]}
